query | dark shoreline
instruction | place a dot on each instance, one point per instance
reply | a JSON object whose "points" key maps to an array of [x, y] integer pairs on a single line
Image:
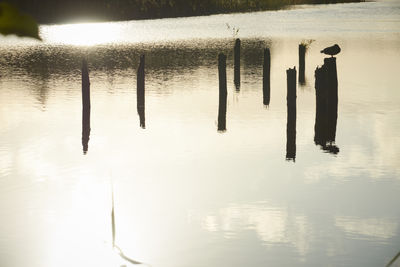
{"points": [[57, 12]]}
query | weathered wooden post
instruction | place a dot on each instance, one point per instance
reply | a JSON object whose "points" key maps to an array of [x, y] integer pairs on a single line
{"points": [[266, 77], [326, 92], [236, 56], [302, 54], [222, 92], [320, 126], [85, 85], [332, 85], [140, 92], [85, 106], [332, 103], [291, 114]]}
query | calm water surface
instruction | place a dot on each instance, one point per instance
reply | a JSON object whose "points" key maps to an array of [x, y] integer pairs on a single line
{"points": [[186, 194]]}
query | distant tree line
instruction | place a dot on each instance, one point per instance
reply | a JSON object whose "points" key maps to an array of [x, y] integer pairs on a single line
{"points": [[53, 11]]}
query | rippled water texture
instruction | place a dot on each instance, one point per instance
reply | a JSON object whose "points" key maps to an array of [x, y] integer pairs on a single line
{"points": [[185, 193]]}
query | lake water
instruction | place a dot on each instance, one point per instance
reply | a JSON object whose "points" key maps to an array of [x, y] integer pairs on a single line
{"points": [[185, 193]]}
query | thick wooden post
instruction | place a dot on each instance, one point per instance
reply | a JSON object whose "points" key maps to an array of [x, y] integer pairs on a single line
{"points": [[237, 64], [85, 85], [332, 86], [85, 106], [140, 92], [320, 114], [291, 114], [332, 102], [222, 92], [326, 92], [302, 54], [266, 77]]}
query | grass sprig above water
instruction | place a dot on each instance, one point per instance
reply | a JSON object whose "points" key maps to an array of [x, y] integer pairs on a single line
{"points": [[233, 29], [307, 43]]}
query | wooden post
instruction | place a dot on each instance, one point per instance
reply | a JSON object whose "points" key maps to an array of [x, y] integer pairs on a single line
{"points": [[291, 114], [140, 92], [332, 103], [85, 85], [266, 77], [332, 85], [302, 54], [320, 114], [85, 106], [222, 92], [237, 64], [326, 92]]}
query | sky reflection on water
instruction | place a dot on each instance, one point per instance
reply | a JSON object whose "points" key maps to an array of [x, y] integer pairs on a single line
{"points": [[186, 194]]}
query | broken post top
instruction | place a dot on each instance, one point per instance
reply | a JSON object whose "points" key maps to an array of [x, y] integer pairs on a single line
{"points": [[221, 58], [291, 78], [237, 42], [291, 71], [291, 84]]}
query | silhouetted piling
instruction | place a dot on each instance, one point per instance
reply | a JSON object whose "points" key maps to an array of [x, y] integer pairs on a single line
{"points": [[222, 92], [85, 85], [326, 92], [237, 64], [266, 77], [291, 115], [140, 92], [302, 54], [85, 106]]}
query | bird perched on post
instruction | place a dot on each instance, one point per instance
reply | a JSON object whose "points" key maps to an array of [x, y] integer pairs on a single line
{"points": [[331, 50]]}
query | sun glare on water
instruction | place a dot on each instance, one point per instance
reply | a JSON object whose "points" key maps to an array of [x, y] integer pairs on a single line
{"points": [[83, 34]]}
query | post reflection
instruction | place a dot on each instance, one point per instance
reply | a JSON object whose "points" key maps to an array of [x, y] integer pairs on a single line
{"points": [[85, 129], [326, 91]]}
